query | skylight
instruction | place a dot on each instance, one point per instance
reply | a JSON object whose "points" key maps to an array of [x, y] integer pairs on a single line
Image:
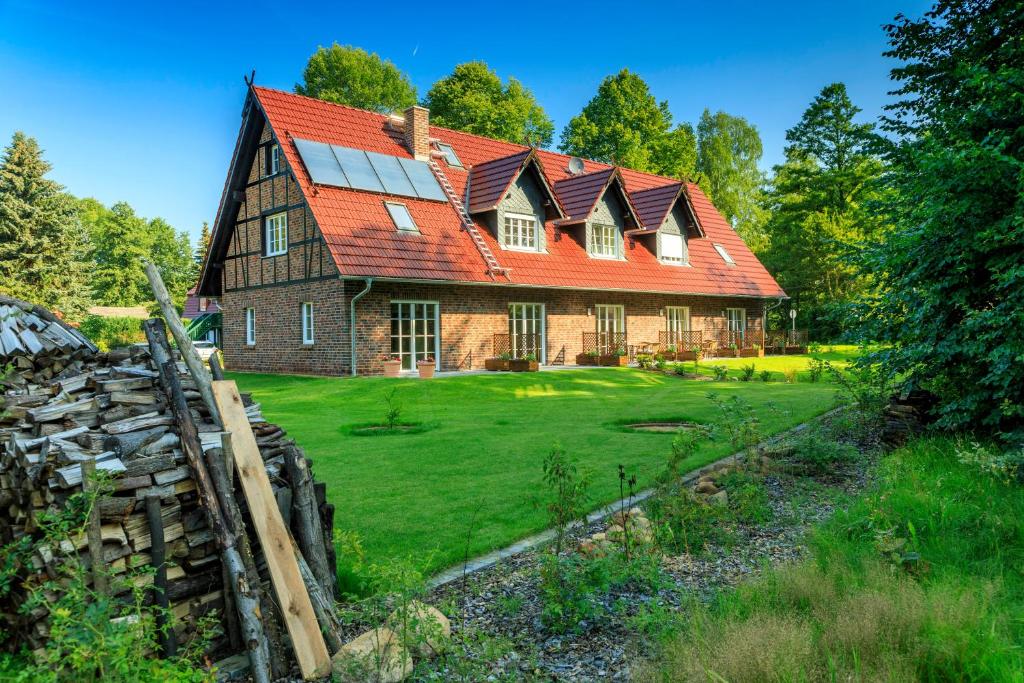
{"points": [[724, 254], [449, 154], [401, 216]]}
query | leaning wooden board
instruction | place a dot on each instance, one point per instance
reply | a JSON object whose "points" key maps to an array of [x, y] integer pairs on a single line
{"points": [[296, 607]]}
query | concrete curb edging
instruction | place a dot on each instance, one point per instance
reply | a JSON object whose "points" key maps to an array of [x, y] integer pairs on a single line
{"points": [[531, 542]]}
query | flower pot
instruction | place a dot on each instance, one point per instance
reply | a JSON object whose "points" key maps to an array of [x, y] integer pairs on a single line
{"points": [[523, 365], [392, 368], [425, 368], [586, 359], [496, 364], [614, 361]]}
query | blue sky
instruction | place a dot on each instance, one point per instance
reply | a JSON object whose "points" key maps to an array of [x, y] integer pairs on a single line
{"points": [[141, 103]]}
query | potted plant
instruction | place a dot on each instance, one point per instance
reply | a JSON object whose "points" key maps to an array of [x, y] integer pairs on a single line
{"points": [[426, 367], [755, 351], [498, 363], [527, 363], [392, 365], [735, 350], [617, 358], [671, 351], [693, 354], [588, 358]]}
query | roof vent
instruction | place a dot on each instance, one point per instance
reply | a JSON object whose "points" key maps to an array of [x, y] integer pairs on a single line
{"points": [[576, 166]]}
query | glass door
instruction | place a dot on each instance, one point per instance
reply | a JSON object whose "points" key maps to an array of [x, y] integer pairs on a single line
{"points": [[526, 331], [677, 323], [414, 330], [611, 328], [736, 319]]}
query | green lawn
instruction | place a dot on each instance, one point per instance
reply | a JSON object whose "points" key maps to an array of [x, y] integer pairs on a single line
{"points": [[475, 472], [838, 355]]}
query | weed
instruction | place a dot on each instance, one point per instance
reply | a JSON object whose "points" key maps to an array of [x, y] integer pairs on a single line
{"points": [[815, 369], [819, 452], [789, 375], [748, 497], [569, 489], [765, 376], [721, 372]]}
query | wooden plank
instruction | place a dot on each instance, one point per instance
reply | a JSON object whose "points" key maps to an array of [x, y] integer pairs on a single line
{"points": [[296, 606]]}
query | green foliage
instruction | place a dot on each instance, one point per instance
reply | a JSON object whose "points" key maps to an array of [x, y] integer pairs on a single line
{"points": [[820, 451], [765, 376], [821, 207], [728, 150], [748, 497], [815, 369], [122, 242], [951, 295], [202, 246], [747, 372], [109, 332], [473, 98], [569, 493], [393, 411], [721, 373], [43, 248], [350, 75], [624, 124]]}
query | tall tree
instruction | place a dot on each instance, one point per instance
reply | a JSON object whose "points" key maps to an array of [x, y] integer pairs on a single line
{"points": [[951, 273], [350, 75], [474, 99], [624, 124], [203, 245], [42, 243], [728, 150], [820, 203]]}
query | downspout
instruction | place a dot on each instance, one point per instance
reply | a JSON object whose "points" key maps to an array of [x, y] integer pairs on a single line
{"points": [[352, 322]]}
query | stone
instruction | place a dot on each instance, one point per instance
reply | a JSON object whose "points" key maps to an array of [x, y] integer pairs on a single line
{"points": [[375, 655], [426, 630], [706, 487], [720, 499], [636, 512], [641, 523], [615, 532], [599, 536]]}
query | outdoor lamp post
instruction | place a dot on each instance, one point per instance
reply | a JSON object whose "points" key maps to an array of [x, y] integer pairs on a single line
{"points": [[792, 316]]}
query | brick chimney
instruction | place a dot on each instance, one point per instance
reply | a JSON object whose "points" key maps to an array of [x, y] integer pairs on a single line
{"points": [[417, 132]]}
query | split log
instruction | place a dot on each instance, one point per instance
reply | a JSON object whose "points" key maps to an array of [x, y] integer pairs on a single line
{"points": [[307, 519]]}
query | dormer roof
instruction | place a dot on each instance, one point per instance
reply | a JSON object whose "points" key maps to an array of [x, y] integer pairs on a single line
{"points": [[489, 181], [580, 194], [655, 204]]}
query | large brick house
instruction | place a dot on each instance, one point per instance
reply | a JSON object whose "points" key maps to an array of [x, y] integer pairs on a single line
{"points": [[344, 236]]}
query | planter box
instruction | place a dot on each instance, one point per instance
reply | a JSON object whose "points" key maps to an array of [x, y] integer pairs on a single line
{"points": [[794, 350], [496, 364], [587, 359], [728, 353], [751, 353], [523, 365], [392, 368], [425, 368], [688, 355], [615, 361]]}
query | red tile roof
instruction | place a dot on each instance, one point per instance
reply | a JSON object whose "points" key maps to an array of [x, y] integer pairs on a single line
{"points": [[364, 242], [490, 180]]}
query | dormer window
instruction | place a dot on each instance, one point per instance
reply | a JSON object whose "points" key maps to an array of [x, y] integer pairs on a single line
{"points": [[449, 154], [520, 232], [673, 249], [724, 254], [401, 216], [605, 241]]}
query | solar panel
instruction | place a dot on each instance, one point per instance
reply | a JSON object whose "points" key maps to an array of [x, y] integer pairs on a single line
{"points": [[357, 168], [320, 162], [423, 179], [390, 172]]}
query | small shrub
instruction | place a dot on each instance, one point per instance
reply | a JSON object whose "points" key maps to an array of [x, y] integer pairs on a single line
{"points": [[747, 372], [748, 497], [765, 376], [569, 493], [721, 372], [659, 364], [679, 369], [815, 369], [393, 411], [789, 375], [819, 451]]}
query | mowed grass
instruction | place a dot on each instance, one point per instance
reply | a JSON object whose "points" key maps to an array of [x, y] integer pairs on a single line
{"points": [[839, 355], [471, 481]]}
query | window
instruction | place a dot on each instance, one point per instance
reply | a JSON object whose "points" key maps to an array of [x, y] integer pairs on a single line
{"points": [[736, 318], [307, 322], [250, 326], [204, 303], [449, 154], [275, 234], [605, 241], [401, 216], [526, 330], [414, 332], [673, 249], [273, 160], [611, 328], [677, 320], [724, 254], [520, 231]]}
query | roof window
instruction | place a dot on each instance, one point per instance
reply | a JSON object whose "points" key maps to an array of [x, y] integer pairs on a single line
{"points": [[724, 254], [449, 154], [401, 216]]}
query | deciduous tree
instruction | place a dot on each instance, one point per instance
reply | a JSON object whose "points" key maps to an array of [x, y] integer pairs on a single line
{"points": [[350, 75], [473, 98]]}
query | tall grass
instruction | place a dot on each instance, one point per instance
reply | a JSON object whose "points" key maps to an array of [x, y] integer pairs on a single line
{"points": [[920, 579]]}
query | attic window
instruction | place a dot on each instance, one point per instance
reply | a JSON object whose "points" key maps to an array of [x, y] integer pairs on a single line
{"points": [[724, 254], [673, 249], [401, 216], [273, 160], [449, 154]]}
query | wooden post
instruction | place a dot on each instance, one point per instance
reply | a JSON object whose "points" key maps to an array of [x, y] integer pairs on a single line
{"points": [[296, 607], [158, 552], [307, 518], [188, 352], [93, 531], [215, 367]]}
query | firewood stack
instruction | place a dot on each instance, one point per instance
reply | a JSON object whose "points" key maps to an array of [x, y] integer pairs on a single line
{"points": [[64, 402], [906, 415]]}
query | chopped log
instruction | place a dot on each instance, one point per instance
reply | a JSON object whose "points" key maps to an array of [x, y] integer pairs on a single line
{"points": [[168, 642], [93, 528], [144, 421], [307, 519], [127, 443]]}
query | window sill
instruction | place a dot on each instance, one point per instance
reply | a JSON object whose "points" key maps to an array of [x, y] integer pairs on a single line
{"points": [[280, 253], [681, 264], [524, 250]]}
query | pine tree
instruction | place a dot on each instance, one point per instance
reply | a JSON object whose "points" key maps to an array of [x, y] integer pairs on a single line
{"points": [[202, 246], [43, 245]]}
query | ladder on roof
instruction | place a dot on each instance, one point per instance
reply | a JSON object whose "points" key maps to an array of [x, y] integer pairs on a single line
{"points": [[494, 268]]}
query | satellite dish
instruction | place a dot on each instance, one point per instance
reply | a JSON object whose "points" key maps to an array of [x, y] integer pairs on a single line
{"points": [[576, 165]]}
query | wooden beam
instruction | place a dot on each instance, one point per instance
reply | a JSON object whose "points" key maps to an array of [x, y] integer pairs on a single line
{"points": [[296, 607]]}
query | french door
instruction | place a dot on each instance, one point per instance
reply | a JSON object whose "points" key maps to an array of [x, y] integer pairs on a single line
{"points": [[677, 320], [526, 331], [736, 322], [415, 332], [611, 328]]}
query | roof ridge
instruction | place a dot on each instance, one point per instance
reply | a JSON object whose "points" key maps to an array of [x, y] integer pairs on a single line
{"points": [[317, 99]]}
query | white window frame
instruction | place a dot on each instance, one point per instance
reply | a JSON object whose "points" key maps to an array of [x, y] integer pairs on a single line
{"points": [[449, 154], [275, 233], [414, 228], [598, 247], [674, 315], [250, 327], [615, 314], [520, 232], [542, 356], [436, 305], [732, 315], [306, 314], [275, 159], [724, 254], [683, 260]]}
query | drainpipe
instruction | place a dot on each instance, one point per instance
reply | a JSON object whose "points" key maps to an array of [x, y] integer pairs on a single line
{"points": [[352, 322]]}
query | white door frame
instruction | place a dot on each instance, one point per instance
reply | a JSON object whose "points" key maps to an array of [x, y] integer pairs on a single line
{"points": [[437, 328], [543, 326]]}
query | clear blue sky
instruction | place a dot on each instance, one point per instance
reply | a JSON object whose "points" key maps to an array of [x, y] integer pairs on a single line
{"points": [[141, 103]]}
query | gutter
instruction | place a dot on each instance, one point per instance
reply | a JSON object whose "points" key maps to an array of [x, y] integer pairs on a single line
{"points": [[352, 323]]}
